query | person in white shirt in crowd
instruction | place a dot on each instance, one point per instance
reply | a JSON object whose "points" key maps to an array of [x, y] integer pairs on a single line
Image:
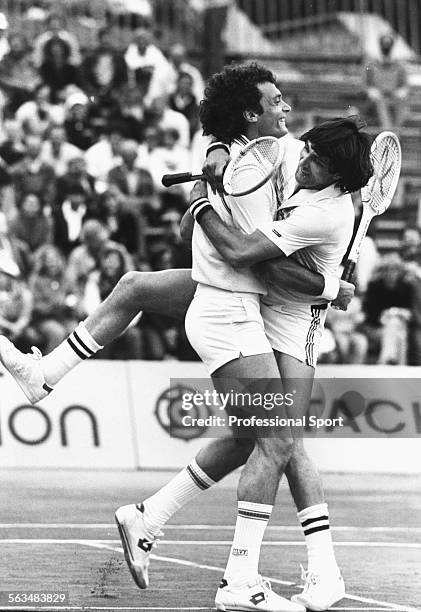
{"points": [[105, 154], [36, 115], [179, 64], [161, 115], [57, 152], [4, 43], [147, 65], [170, 157]]}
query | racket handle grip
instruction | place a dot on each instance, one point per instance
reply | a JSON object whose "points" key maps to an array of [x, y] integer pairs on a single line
{"points": [[181, 177], [348, 272]]}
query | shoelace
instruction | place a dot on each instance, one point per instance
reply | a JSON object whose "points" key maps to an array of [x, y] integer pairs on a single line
{"points": [[309, 578], [265, 583]]}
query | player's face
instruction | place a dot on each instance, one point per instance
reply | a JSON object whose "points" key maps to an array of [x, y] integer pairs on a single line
{"points": [[313, 171], [272, 121]]}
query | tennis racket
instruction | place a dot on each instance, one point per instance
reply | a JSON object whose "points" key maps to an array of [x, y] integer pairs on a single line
{"points": [[254, 165], [377, 195]]}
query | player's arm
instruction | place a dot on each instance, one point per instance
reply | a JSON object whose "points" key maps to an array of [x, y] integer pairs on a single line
{"points": [[241, 250], [217, 158], [186, 228]]}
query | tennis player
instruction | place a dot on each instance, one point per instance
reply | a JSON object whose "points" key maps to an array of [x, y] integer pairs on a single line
{"points": [[85, 344]]}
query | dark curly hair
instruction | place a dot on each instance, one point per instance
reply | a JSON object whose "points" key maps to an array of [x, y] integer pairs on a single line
{"points": [[228, 95], [347, 149]]}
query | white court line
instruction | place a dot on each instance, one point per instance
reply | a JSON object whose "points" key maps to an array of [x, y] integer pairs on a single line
{"points": [[106, 544], [205, 542], [374, 529], [177, 561]]}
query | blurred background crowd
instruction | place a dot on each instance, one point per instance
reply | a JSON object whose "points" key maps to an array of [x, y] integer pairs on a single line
{"points": [[93, 111]]}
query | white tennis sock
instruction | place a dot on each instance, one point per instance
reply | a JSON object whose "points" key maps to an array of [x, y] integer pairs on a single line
{"points": [[181, 489], [243, 562], [315, 523], [76, 348]]}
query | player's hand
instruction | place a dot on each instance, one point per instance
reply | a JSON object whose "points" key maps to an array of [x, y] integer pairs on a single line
{"points": [[214, 167], [200, 190], [345, 295]]}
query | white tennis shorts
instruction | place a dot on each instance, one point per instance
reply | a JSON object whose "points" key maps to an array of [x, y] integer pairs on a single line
{"points": [[295, 329], [222, 325]]}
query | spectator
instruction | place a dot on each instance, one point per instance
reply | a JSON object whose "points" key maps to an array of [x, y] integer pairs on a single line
{"points": [[51, 315], [75, 176], [55, 29], [387, 86], [122, 224], [351, 343], [15, 255], [69, 218], [18, 75], [87, 256], [148, 67], [31, 225], [105, 68], [99, 285], [12, 149], [36, 115], [134, 182], [56, 152], [184, 101], [15, 310], [387, 303], [410, 245], [162, 116], [78, 124], [171, 157], [179, 65], [32, 174], [132, 113], [4, 43], [56, 70], [106, 153]]}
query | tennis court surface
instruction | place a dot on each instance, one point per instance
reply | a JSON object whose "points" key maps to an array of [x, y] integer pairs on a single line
{"points": [[57, 534]]}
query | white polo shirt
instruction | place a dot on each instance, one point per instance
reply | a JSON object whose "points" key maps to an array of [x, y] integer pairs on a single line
{"points": [[315, 230]]}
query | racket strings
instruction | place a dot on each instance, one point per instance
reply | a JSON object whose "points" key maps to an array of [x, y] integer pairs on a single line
{"points": [[386, 163], [255, 166]]}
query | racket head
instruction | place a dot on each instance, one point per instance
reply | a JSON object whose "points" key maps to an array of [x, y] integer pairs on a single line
{"points": [[254, 165], [386, 157]]}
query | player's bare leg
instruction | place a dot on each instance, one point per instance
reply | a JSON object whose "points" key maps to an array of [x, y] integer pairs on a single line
{"points": [[324, 585], [169, 292], [256, 492]]}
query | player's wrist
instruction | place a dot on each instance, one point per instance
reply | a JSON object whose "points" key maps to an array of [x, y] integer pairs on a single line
{"points": [[199, 207], [331, 288], [217, 145]]}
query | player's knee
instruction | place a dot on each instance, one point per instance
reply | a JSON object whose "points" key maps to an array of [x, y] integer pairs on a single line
{"points": [[243, 448], [276, 451], [132, 283]]}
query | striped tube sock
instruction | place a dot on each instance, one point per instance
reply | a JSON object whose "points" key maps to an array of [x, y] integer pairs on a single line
{"points": [[76, 348], [243, 562], [184, 487], [315, 523]]}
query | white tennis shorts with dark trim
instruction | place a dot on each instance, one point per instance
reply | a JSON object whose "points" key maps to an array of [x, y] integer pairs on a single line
{"points": [[222, 325], [295, 329]]}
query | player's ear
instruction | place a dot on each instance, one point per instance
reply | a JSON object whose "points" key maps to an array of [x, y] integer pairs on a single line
{"points": [[250, 116]]}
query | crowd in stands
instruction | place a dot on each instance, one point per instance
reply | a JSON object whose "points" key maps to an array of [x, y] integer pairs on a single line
{"points": [[85, 140]]}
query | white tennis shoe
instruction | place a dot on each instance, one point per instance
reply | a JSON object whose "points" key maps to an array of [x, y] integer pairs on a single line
{"points": [[137, 543], [256, 596], [25, 369], [321, 590]]}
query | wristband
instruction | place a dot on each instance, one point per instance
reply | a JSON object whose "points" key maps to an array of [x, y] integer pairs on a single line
{"points": [[198, 207], [218, 145], [331, 289]]}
